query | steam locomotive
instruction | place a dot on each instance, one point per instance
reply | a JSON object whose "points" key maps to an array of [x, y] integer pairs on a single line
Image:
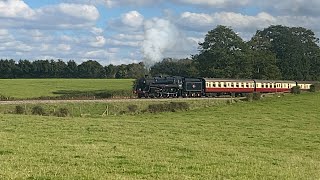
{"points": [[177, 86]]}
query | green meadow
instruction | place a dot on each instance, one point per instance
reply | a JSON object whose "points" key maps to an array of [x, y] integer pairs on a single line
{"points": [[274, 138], [36, 88]]}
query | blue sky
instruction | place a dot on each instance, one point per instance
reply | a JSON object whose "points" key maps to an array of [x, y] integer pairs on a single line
{"points": [[128, 31]]}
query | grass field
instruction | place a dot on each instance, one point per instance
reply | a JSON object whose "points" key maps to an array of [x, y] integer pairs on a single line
{"points": [[275, 138], [35, 88]]}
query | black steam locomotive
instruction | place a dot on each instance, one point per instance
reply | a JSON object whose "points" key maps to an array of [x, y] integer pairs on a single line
{"points": [[177, 86], [173, 86]]}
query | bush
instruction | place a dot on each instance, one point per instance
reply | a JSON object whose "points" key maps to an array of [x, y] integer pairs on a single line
{"points": [[5, 98], [256, 96], [19, 110], [296, 90], [178, 106], [38, 110], [166, 107], [315, 87], [132, 108], [249, 97], [104, 95], [62, 112]]}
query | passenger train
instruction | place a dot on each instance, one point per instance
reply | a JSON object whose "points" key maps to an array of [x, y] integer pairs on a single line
{"points": [[176, 86]]}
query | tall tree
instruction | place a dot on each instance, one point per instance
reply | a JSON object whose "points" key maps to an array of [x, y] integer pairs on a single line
{"points": [[71, 70], [263, 59], [223, 54], [91, 69], [295, 48]]}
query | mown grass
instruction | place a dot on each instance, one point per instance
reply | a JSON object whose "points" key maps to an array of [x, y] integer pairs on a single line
{"points": [[276, 138], [37, 88]]}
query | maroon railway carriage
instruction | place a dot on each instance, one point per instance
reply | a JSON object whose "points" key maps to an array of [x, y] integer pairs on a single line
{"points": [[216, 86], [272, 86], [305, 85]]}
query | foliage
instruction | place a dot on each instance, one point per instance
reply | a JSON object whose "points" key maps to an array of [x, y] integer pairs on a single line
{"points": [[60, 69], [249, 97], [62, 112], [173, 67], [168, 107], [296, 50], [223, 54], [256, 96], [5, 98], [315, 87], [38, 110], [19, 109], [132, 108], [296, 90]]}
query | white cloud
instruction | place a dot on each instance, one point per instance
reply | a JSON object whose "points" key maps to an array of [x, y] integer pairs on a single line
{"points": [[130, 21], [76, 30], [78, 11], [133, 19], [15, 9], [64, 47], [99, 41], [216, 3]]}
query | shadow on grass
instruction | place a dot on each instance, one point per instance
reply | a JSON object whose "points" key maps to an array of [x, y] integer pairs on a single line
{"points": [[95, 94]]}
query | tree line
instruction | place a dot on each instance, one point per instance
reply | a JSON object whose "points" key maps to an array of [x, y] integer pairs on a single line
{"points": [[70, 69], [276, 52]]}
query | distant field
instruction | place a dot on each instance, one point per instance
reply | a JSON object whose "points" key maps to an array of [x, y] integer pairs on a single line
{"points": [[34, 88], [276, 138]]}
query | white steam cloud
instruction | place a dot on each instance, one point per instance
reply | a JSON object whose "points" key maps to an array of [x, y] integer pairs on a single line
{"points": [[159, 35]]}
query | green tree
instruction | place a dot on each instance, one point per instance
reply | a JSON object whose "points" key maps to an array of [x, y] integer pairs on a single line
{"points": [[295, 48], [223, 54], [91, 69], [41, 69], [174, 67], [24, 69], [71, 70], [7, 68], [263, 60], [136, 70]]}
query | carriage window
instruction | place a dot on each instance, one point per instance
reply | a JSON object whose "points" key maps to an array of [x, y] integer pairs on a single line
{"points": [[213, 84], [219, 85], [247, 85], [274, 86], [232, 84], [262, 85]]}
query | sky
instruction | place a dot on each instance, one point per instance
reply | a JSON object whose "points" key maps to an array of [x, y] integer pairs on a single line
{"points": [[130, 31]]}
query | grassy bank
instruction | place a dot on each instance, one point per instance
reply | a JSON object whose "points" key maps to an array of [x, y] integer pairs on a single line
{"points": [[78, 88], [113, 108], [276, 138]]}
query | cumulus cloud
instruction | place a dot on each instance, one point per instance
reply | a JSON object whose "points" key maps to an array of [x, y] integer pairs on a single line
{"points": [[130, 21], [15, 9], [241, 23], [75, 29], [17, 14], [216, 3], [99, 41], [133, 19]]}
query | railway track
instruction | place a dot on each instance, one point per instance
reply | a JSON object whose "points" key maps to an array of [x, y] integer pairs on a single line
{"points": [[102, 100]]}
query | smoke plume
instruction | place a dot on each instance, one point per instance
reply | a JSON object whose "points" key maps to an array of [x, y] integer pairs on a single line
{"points": [[159, 35]]}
